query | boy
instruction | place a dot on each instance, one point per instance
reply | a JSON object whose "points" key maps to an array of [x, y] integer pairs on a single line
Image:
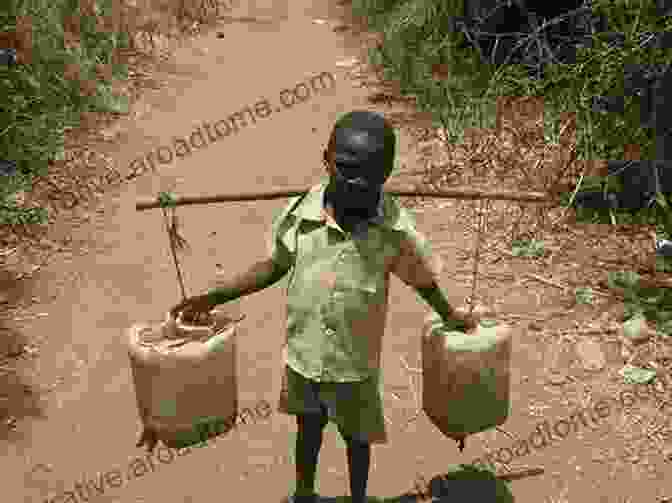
{"points": [[340, 240]]}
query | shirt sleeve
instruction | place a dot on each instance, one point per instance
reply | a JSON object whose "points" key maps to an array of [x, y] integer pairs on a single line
{"points": [[417, 265], [276, 248]]}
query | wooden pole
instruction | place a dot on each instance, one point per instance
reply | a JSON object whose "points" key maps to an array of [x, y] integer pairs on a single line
{"points": [[456, 193]]}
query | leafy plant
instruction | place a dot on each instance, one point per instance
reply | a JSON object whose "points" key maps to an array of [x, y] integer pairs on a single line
{"points": [[527, 248], [53, 82], [167, 200], [636, 375], [666, 328], [655, 304], [584, 295], [627, 280], [417, 38]]}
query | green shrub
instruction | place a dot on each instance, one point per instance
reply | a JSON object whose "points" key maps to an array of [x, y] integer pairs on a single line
{"points": [[39, 98], [416, 38]]}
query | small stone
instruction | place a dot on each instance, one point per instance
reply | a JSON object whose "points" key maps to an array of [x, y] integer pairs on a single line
{"points": [[598, 457], [31, 350], [42, 467], [347, 63], [591, 355], [666, 353], [557, 379]]}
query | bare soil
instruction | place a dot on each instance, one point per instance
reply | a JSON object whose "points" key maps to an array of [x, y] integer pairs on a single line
{"points": [[70, 291]]}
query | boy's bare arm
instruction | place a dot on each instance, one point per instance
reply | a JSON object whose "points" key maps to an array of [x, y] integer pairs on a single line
{"points": [[452, 318], [259, 276]]}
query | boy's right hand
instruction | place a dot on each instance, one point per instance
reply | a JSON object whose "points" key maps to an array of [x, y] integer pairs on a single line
{"points": [[193, 308], [148, 439]]}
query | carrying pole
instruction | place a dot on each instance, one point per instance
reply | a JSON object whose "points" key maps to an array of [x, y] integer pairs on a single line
{"points": [[456, 193]]}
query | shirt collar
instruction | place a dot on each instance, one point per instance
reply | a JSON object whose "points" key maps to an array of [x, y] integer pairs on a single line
{"points": [[312, 208]]}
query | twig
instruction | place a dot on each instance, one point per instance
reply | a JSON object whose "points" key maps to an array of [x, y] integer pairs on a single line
{"points": [[539, 29], [547, 281], [565, 287], [33, 270], [505, 432], [477, 246], [571, 199], [406, 366], [520, 474], [6, 253]]}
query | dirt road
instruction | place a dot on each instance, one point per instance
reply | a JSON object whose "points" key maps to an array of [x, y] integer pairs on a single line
{"points": [[125, 275]]}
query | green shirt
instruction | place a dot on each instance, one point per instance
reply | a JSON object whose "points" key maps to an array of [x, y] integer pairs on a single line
{"points": [[337, 295]]}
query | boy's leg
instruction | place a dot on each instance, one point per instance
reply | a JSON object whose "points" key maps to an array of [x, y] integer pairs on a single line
{"points": [[359, 461], [308, 443]]}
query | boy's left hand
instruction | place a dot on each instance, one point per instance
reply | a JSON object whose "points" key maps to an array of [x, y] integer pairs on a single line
{"points": [[470, 321]]}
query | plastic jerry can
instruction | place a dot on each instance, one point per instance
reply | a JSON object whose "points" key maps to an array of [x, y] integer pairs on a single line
{"points": [[466, 378], [185, 378]]}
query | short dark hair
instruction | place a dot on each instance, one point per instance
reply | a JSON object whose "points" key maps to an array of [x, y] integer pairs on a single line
{"points": [[365, 140]]}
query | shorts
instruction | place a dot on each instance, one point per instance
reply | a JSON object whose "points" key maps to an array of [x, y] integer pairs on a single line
{"points": [[355, 407]]}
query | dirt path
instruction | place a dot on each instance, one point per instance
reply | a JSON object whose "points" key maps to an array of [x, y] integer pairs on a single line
{"points": [[125, 274]]}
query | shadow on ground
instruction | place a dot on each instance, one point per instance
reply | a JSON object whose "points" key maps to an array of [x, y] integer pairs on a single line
{"points": [[460, 483]]}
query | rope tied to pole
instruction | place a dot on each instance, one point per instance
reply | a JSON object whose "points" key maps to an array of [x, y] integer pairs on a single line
{"points": [[168, 202]]}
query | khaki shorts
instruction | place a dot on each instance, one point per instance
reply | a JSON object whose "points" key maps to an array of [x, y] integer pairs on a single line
{"points": [[355, 407]]}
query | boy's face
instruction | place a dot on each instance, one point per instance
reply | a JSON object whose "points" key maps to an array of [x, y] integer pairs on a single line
{"points": [[351, 188]]}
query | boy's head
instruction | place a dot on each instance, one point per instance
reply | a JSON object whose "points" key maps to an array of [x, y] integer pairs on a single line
{"points": [[363, 143], [359, 159]]}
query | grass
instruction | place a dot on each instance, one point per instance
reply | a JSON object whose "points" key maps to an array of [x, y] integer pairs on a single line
{"points": [[416, 42], [467, 94], [70, 54]]}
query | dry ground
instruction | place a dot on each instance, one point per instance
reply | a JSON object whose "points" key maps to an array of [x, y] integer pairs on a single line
{"points": [[66, 395]]}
